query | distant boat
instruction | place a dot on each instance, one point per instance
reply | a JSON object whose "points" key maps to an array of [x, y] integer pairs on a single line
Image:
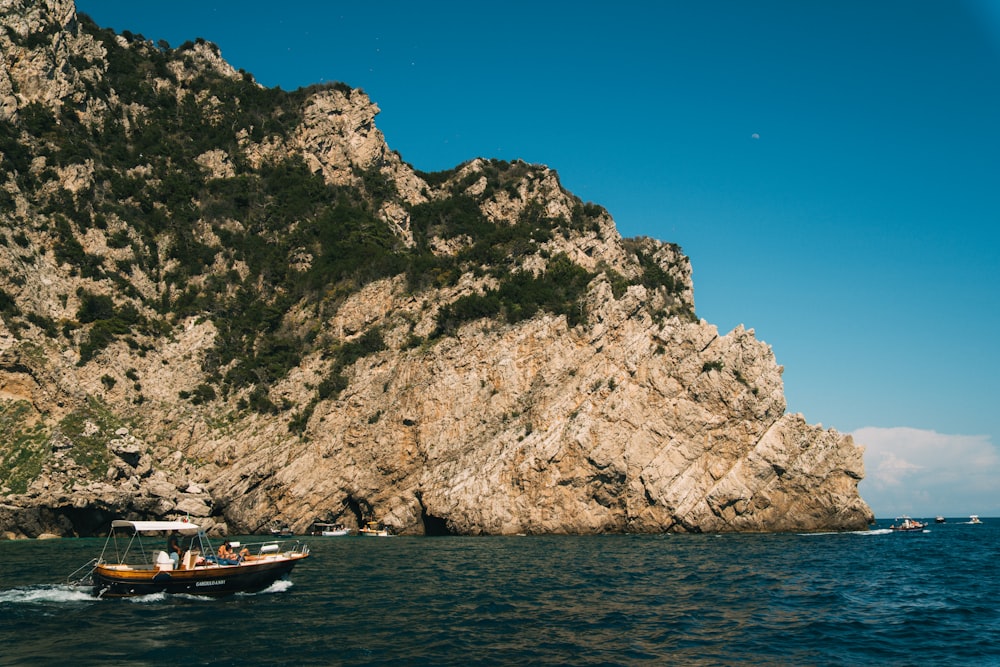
{"points": [[974, 519], [939, 519], [374, 529], [280, 530], [330, 530], [905, 524]]}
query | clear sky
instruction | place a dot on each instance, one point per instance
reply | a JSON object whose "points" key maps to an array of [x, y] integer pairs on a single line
{"points": [[832, 169]]}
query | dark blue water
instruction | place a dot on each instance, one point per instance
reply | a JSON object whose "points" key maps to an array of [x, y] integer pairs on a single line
{"points": [[830, 599]]}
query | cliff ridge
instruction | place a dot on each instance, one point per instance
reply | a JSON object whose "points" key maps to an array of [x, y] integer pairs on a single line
{"points": [[238, 304]]}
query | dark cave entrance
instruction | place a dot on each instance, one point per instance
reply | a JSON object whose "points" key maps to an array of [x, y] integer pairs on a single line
{"points": [[89, 521], [434, 526], [360, 515]]}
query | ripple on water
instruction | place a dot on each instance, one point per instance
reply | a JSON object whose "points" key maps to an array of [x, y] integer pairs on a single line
{"points": [[868, 598]]}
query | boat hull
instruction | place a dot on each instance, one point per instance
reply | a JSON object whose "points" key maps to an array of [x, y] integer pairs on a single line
{"points": [[113, 582]]}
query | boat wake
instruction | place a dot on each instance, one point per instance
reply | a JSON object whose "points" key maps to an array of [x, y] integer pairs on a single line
{"points": [[45, 594], [280, 586], [69, 593], [876, 531], [153, 598], [277, 587]]}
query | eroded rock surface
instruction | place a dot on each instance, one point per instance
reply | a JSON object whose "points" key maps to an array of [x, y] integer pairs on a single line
{"points": [[634, 416]]}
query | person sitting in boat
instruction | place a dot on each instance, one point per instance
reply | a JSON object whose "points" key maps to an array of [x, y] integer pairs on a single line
{"points": [[174, 547], [226, 555]]}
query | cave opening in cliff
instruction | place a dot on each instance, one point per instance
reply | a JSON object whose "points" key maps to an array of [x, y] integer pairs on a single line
{"points": [[360, 514], [434, 526], [88, 521]]}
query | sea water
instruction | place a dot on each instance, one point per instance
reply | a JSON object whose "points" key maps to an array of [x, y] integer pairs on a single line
{"points": [[865, 598]]}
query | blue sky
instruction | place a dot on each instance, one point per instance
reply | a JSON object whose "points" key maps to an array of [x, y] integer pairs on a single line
{"points": [[832, 169]]}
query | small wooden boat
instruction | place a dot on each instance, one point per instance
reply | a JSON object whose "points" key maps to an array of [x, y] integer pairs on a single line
{"points": [[905, 524], [127, 567]]}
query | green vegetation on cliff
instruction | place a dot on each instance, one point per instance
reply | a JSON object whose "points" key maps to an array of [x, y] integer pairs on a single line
{"points": [[25, 450], [153, 235]]}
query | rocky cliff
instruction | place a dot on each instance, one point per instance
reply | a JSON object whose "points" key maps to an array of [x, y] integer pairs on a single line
{"points": [[237, 304]]}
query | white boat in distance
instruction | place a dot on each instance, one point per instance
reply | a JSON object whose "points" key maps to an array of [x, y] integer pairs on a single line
{"points": [[905, 524], [330, 530]]}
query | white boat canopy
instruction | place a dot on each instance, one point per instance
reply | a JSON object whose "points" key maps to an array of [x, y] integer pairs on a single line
{"points": [[185, 527]]}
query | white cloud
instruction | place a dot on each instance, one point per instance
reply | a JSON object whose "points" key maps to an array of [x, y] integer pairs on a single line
{"points": [[891, 470], [925, 473]]}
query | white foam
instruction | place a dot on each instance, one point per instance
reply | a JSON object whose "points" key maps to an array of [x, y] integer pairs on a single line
{"points": [[37, 594], [146, 599], [876, 531], [75, 594], [280, 586]]}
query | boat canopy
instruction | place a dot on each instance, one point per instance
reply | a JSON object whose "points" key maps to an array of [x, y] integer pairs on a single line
{"points": [[185, 527]]}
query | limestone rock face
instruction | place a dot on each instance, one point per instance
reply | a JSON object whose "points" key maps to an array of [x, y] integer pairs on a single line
{"points": [[542, 429], [338, 132], [627, 414], [34, 61], [338, 139]]}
